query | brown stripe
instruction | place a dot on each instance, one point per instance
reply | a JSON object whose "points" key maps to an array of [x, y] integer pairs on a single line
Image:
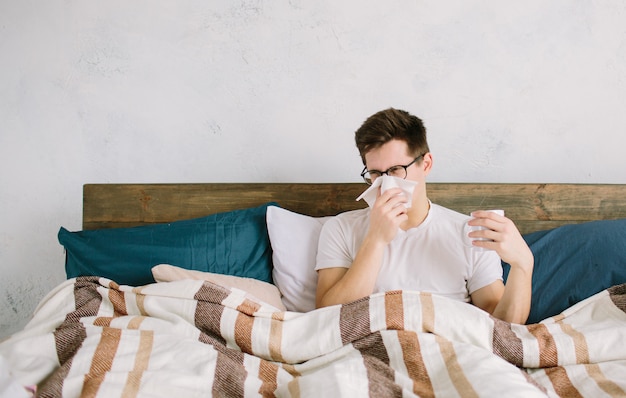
{"points": [[133, 382], [101, 361], [547, 347], [458, 377], [112, 285], [506, 344], [276, 336], [135, 322], [279, 316], [414, 362], [211, 293], [219, 346], [243, 332], [618, 296], [394, 310], [87, 298], [248, 307], [608, 386], [207, 319], [230, 376], [372, 345], [140, 299], [276, 340], [291, 369], [53, 385], [381, 378], [354, 320], [244, 324], [119, 303], [580, 343], [69, 336], [229, 370], [102, 321], [209, 312], [561, 383], [294, 388], [428, 312], [268, 374], [138, 289]]}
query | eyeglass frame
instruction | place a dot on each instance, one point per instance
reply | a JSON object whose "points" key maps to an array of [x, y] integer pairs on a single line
{"points": [[405, 167]]}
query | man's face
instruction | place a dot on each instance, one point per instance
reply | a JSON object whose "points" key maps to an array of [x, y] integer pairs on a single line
{"points": [[395, 153]]}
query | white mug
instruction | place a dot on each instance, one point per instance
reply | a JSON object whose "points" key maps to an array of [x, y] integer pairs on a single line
{"points": [[469, 229]]}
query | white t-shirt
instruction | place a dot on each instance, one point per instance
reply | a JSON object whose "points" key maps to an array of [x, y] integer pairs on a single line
{"points": [[434, 257]]}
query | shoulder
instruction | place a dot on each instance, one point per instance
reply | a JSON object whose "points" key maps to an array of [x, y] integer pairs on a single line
{"points": [[445, 214], [349, 217], [346, 222], [340, 237]]}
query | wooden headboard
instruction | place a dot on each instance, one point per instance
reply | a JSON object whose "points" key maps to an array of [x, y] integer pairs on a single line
{"points": [[533, 207]]}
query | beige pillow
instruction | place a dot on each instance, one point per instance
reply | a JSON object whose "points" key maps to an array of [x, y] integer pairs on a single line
{"points": [[260, 290]]}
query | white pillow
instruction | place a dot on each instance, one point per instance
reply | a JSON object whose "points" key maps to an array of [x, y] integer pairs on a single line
{"points": [[294, 239], [260, 290]]}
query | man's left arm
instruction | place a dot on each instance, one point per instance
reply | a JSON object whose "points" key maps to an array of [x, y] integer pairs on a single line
{"points": [[510, 303]]}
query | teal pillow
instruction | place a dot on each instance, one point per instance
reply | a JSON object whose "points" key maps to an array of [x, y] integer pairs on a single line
{"points": [[574, 262], [232, 243]]}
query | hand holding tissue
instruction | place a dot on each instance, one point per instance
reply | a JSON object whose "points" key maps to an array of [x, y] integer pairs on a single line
{"points": [[386, 182]]}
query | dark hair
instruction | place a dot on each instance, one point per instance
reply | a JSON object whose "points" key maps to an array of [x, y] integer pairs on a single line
{"points": [[388, 125]]}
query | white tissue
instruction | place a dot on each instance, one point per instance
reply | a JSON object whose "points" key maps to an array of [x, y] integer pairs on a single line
{"points": [[386, 182]]}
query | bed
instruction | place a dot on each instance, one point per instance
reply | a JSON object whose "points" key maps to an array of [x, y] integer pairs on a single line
{"points": [[194, 290]]}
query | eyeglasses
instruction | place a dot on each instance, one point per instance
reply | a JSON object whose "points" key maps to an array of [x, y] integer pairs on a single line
{"points": [[398, 171]]}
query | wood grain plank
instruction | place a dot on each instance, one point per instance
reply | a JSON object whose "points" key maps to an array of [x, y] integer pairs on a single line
{"points": [[532, 206]]}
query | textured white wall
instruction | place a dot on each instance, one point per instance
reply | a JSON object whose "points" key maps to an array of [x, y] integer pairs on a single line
{"points": [[245, 90]]}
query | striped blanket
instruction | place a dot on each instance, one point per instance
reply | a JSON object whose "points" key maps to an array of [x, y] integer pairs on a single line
{"points": [[91, 337]]}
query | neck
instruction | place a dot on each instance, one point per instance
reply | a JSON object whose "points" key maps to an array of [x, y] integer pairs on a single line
{"points": [[417, 214]]}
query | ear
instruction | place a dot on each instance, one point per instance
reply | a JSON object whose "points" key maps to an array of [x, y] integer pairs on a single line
{"points": [[427, 163]]}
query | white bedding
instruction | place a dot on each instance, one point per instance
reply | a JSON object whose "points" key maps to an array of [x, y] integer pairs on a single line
{"points": [[91, 337]]}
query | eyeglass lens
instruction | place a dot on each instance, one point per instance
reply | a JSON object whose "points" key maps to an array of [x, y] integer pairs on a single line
{"points": [[396, 171]]}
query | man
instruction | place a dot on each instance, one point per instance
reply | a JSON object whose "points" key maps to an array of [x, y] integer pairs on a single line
{"points": [[389, 247]]}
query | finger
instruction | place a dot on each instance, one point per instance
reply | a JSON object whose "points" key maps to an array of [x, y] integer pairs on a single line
{"points": [[391, 192], [490, 235], [493, 223], [393, 198], [485, 244], [484, 235], [487, 214]]}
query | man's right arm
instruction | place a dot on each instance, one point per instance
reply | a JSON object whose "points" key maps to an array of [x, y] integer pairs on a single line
{"points": [[341, 285]]}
